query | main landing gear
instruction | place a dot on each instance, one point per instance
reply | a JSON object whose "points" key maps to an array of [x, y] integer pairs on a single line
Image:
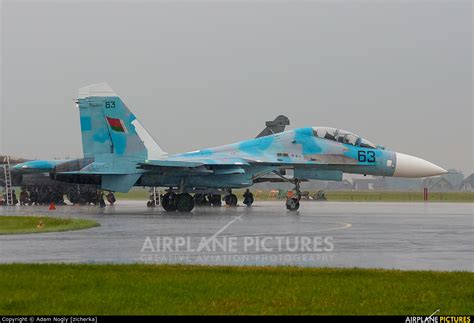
{"points": [[172, 201], [230, 200], [182, 202]]}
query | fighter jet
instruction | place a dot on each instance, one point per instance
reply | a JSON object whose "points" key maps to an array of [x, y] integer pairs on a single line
{"points": [[119, 153]]}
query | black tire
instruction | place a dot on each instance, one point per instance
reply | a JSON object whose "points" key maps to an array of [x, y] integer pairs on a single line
{"points": [[231, 200], [292, 204], [168, 202], [215, 199], [185, 202]]}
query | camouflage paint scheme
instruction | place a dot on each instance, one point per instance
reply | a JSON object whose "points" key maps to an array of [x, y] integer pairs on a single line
{"points": [[130, 157]]}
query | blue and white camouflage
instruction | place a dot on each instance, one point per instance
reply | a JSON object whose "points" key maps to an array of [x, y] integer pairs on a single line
{"points": [[119, 153]]}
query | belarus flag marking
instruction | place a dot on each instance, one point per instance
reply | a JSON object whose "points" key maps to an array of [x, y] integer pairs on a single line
{"points": [[116, 124]]}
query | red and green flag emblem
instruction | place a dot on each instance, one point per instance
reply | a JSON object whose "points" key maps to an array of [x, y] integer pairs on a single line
{"points": [[116, 124]]}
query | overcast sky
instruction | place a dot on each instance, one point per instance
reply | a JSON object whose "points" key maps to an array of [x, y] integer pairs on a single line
{"points": [[201, 74]]}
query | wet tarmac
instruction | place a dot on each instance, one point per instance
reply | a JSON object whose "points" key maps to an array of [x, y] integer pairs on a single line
{"points": [[436, 236]]}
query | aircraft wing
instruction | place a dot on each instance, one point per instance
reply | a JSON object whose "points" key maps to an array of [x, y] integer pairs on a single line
{"points": [[309, 167]]}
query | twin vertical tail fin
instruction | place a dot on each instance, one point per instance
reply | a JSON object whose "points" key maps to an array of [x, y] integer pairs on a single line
{"points": [[113, 138], [110, 129]]}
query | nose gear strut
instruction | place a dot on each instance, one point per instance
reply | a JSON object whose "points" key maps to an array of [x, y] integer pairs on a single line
{"points": [[293, 200]]}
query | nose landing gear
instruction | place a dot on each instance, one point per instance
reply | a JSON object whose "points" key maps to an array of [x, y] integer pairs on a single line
{"points": [[292, 204], [293, 201]]}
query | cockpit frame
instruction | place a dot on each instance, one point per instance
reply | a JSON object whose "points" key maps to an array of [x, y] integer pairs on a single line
{"points": [[342, 136]]}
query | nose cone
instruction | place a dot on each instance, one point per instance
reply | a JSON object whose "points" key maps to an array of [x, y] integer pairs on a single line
{"points": [[411, 166]]}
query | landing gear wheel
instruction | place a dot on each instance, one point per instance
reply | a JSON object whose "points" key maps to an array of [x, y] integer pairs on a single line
{"points": [[292, 204], [215, 199], [168, 202], [231, 200], [185, 202]]}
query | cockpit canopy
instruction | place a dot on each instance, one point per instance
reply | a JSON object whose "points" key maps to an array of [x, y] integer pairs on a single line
{"points": [[342, 136]]}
